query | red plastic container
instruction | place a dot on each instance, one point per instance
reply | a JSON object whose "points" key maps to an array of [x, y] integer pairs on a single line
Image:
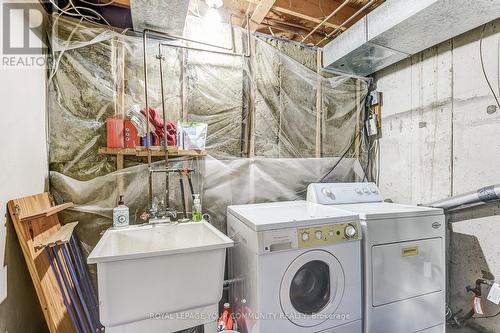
{"points": [[131, 135], [115, 129]]}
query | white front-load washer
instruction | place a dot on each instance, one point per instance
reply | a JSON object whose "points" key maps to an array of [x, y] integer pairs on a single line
{"points": [[403, 258], [296, 267]]}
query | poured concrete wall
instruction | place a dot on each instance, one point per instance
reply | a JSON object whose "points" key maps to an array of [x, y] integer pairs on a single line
{"points": [[439, 140]]}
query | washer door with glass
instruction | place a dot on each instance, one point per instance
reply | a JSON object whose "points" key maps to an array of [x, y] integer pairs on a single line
{"points": [[312, 288]]}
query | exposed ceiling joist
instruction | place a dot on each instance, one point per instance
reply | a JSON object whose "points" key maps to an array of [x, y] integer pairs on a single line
{"points": [[302, 16], [302, 20], [260, 12], [326, 20], [351, 18], [312, 10]]}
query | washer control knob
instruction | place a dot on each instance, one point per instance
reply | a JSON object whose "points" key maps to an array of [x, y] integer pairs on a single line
{"points": [[350, 231], [319, 235], [374, 190], [358, 191], [366, 191], [305, 236]]}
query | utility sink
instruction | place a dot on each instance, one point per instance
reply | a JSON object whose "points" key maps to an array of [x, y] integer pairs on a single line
{"points": [[157, 277]]}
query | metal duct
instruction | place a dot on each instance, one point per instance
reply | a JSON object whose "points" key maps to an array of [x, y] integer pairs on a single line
{"points": [[167, 16], [400, 28], [485, 194]]}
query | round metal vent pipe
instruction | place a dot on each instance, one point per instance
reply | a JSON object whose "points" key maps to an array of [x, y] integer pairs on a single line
{"points": [[485, 194]]}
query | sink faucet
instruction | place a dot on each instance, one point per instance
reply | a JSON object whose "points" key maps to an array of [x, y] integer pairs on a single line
{"points": [[167, 216], [158, 213]]}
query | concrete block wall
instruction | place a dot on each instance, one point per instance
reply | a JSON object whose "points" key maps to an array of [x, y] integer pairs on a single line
{"points": [[438, 139]]}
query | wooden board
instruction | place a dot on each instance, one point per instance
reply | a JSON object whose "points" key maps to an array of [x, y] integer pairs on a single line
{"points": [[46, 212], [313, 8], [306, 13], [319, 105], [260, 12], [155, 151], [35, 231], [62, 236]]}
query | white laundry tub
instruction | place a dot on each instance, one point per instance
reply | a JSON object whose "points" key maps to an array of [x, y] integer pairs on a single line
{"points": [[160, 276]]}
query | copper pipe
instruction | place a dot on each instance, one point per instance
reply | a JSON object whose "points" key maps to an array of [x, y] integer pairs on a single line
{"points": [[326, 19]]}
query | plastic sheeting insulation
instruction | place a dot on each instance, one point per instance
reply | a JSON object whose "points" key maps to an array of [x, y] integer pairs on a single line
{"points": [[97, 73], [221, 182]]}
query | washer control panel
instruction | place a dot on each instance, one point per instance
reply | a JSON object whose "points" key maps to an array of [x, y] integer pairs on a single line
{"points": [[343, 193], [328, 234]]}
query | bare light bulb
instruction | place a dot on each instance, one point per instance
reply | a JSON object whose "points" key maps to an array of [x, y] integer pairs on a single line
{"points": [[214, 3]]}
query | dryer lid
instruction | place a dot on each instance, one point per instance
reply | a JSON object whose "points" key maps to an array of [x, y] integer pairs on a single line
{"points": [[289, 214], [387, 210]]}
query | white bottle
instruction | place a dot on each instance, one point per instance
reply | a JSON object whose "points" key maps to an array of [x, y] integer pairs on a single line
{"points": [[120, 214], [196, 214]]}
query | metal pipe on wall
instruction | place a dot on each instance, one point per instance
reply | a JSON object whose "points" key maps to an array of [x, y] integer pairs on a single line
{"points": [[165, 136], [203, 50], [148, 126], [483, 195], [164, 35], [280, 116]]}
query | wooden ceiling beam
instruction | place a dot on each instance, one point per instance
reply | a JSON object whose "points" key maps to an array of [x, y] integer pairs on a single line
{"points": [[309, 10], [317, 9], [303, 17], [260, 12]]}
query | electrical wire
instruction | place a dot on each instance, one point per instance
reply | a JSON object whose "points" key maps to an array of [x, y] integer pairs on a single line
{"points": [[367, 141], [340, 159], [67, 10], [97, 4], [321, 9], [483, 68], [362, 130], [73, 31], [449, 312], [333, 167]]}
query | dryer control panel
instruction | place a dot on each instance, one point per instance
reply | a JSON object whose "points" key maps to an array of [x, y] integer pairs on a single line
{"points": [[328, 234], [343, 193]]}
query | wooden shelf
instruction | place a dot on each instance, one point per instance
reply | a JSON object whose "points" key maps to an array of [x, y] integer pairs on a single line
{"points": [[156, 151], [46, 212], [62, 236]]}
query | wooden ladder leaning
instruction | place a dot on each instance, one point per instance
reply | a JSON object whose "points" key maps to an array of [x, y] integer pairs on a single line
{"points": [[55, 264]]}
